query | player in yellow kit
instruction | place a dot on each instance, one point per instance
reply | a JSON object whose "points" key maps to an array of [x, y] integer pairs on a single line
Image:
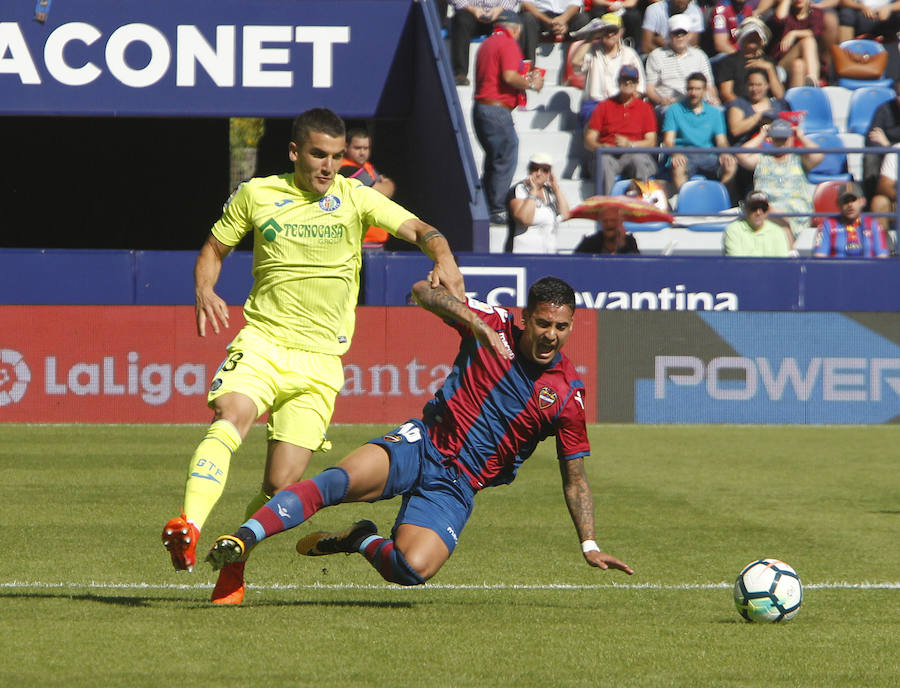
{"points": [[307, 230]]}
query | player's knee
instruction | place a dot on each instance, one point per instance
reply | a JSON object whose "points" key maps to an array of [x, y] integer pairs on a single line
{"points": [[422, 565]]}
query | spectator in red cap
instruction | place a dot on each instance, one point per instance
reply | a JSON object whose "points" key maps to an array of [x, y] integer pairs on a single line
{"points": [[625, 120]]}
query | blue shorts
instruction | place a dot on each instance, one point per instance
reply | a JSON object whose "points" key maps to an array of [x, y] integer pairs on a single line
{"points": [[435, 496]]}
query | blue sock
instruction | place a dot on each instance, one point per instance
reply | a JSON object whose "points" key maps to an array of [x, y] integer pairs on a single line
{"points": [[298, 502]]}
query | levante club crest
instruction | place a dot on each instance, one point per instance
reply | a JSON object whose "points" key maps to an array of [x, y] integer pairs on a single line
{"points": [[547, 397]]}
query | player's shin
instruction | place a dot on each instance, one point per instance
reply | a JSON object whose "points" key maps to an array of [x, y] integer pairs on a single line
{"points": [[295, 504], [389, 561], [208, 470]]}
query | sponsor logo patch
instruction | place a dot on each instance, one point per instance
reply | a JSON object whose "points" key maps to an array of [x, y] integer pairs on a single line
{"points": [[547, 397]]}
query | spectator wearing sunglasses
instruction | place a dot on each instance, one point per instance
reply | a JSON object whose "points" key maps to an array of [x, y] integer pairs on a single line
{"points": [[754, 235], [536, 207]]}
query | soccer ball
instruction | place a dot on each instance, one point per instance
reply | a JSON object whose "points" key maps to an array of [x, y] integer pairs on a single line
{"points": [[768, 590]]}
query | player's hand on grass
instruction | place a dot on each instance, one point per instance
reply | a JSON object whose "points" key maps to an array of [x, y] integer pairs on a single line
{"points": [[212, 309], [604, 561]]}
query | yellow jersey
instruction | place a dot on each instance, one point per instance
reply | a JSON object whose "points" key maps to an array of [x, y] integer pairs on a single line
{"points": [[307, 253]]}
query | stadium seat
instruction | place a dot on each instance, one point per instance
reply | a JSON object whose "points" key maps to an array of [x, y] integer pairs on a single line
{"points": [[571, 77], [834, 166], [839, 99], [707, 196], [867, 47], [863, 104], [815, 103], [825, 199]]}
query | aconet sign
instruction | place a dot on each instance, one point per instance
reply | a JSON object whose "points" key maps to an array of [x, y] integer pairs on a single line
{"points": [[225, 57]]}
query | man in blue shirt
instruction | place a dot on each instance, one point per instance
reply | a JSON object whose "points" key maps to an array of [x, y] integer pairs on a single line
{"points": [[695, 123]]}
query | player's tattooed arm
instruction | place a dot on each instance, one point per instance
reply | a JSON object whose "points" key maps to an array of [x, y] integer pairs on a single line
{"points": [[442, 303], [435, 245], [579, 497], [580, 501], [431, 234]]}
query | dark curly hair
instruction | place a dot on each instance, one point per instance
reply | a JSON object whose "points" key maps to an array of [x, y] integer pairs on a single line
{"points": [[551, 290]]}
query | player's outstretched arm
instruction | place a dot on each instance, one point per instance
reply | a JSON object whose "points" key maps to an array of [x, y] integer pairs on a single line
{"points": [[209, 306], [439, 300], [434, 245], [580, 501]]}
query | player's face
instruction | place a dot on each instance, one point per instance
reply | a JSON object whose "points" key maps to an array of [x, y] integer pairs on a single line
{"points": [[316, 161], [358, 149], [546, 330]]}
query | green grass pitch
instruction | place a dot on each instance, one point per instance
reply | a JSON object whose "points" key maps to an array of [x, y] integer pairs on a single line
{"points": [[89, 597]]}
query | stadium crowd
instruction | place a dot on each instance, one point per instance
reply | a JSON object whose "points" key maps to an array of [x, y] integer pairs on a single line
{"points": [[708, 74]]}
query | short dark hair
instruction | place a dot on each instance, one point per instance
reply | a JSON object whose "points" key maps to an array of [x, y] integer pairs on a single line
{"points": [[757, 70], [318, 119], [696, 76], [357, 133], [550, 290]]}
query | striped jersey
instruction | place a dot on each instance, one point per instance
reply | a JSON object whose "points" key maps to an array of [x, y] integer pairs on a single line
{"points": [[491, 413], [864, 238], [307, 252]]}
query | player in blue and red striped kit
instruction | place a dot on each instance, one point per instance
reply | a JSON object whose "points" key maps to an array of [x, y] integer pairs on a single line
{"points": [[509, 388]]}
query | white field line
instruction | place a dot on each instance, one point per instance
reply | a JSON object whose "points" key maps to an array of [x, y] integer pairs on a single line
{"points": [[836, 585]]}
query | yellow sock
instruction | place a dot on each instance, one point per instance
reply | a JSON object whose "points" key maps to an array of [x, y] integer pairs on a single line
{"points": [[256, 503], [208, 471]]}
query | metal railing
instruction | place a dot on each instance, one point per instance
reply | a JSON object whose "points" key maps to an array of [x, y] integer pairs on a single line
{"points": [[656, 150]]}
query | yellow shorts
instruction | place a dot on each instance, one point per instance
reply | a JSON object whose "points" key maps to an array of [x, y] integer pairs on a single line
{"points": [[297, 387]]}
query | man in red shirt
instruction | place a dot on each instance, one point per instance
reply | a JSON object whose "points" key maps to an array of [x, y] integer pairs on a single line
{"points": [[498, 86], [624, 120]]}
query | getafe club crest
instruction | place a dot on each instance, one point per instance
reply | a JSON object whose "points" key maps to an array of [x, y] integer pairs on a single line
{"points": [[547, 397], [329, 203]]}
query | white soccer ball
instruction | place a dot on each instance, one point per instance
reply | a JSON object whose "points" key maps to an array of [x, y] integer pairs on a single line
{"points": [[768, 590]]}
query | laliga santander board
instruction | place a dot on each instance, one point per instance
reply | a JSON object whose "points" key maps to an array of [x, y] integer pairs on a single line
{"points": [[146, 364]]}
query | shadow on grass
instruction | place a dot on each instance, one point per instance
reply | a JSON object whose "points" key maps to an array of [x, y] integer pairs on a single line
{"points": [[137, 601]]}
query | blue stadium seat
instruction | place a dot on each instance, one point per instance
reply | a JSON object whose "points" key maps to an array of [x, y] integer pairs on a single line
{"points": [[815, 103], [864, 46], [707, 196], [834, 166], [620, 187], [863, 104]]}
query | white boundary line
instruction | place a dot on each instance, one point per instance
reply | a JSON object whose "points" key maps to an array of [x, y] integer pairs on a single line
{"points": [[836, 585]]}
